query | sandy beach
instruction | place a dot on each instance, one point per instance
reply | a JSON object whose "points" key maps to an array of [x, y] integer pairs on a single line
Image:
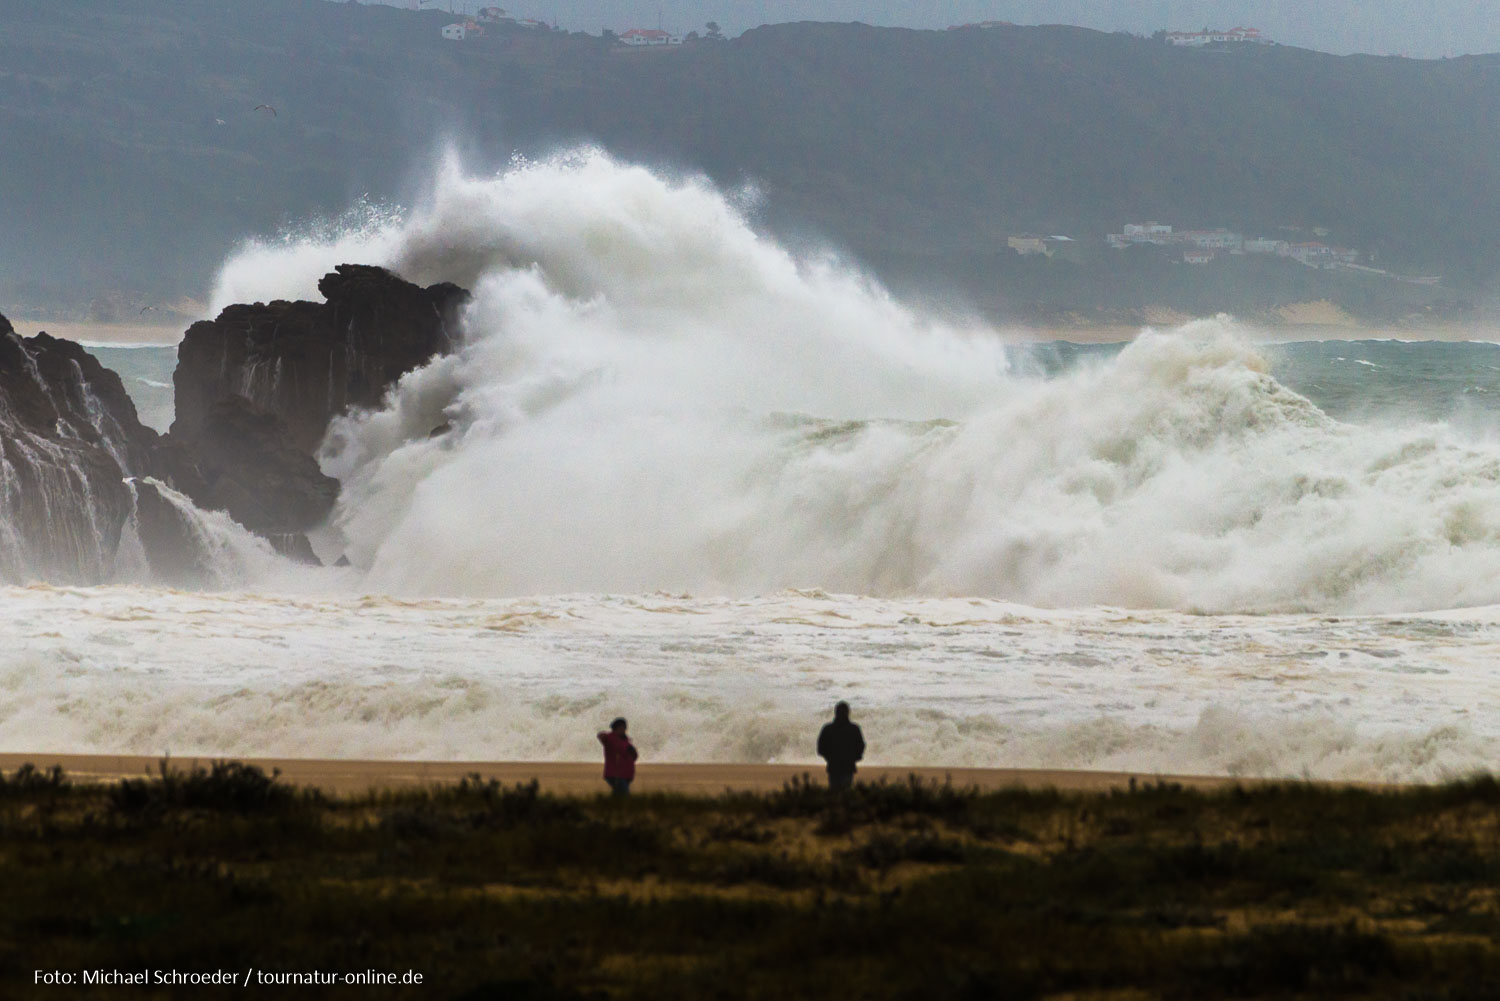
{"points": [[122, 335], [350, 777]]}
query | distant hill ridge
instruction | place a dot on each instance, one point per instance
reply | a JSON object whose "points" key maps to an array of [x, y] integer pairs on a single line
{"points": [[131, 154]]}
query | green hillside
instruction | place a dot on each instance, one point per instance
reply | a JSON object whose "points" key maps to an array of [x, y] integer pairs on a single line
{"points": [[916, 151]]}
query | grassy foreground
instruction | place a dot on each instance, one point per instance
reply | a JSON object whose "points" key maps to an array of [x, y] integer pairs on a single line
{"points": [[893, 891]]}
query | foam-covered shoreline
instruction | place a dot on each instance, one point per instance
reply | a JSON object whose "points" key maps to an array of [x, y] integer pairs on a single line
{"points": [[955, 682]]}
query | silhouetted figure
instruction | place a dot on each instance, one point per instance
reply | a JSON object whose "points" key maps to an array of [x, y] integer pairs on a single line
{"points": [[841, 744], [619, 757]]}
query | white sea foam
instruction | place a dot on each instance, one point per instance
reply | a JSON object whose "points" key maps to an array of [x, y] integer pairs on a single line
{"points": [[934, 681]]}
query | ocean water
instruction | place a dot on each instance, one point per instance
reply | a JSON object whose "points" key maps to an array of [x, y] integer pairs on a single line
{"points": [[690, 477], [146, 371]]}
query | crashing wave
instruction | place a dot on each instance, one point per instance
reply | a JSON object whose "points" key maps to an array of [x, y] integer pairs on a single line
{"points": [[652, 395]]}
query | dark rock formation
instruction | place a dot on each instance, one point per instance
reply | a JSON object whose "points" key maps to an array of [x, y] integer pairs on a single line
{"points": [[255, 389], [252, 469], [308, 362], [69, 437]]}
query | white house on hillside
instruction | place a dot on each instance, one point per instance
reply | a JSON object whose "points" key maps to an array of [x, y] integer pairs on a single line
{"points": [[1026, 245], [1266, 245], [1196, 38], [1212, 239], [649, 36], [1140, 232], [454, 32]]}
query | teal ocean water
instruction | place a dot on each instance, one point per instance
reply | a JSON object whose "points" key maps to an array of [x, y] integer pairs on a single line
{"points": [[1356, 380], [147, 375], [1456, 382]]}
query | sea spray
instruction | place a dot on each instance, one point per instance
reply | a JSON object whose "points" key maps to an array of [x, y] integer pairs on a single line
{"points": [[652, 395], [289, 265], [207, 550]]}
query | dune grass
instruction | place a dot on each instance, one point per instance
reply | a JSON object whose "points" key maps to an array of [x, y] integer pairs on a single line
{"points": [[895, 890]]}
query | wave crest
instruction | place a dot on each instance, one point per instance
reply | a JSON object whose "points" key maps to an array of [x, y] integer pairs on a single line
{"points": [[652, 395]]}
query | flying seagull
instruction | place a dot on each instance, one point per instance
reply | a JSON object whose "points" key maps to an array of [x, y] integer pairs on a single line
{"points": [[145, 308], [266, 107]]}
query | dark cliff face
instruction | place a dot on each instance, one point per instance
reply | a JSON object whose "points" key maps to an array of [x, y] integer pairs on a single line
{"points": [[308, 362], [256, 389], [253, 469], [69, 437]]}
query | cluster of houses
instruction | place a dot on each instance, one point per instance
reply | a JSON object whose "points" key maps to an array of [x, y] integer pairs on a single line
{"points": [[1192, 39], [1205, 37], [635, 37], [1201, 246], [1028, 244], [460, 30], [649, 36]]}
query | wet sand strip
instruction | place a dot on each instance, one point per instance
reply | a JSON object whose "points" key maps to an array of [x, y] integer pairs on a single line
{"points": [[345, 777]]}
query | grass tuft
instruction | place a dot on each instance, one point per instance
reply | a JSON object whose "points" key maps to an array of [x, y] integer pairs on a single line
{"points": [[229, 786]]}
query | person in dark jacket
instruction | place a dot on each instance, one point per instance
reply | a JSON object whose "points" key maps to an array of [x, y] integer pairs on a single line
{"points": [[619, 757], [841, 744]]}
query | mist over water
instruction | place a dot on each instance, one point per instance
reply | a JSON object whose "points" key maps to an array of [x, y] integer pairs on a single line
{"points": [[652, 396]]}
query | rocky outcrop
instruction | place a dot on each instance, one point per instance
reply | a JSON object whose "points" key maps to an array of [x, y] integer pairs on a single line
{"points": [[252, 469], [255, 389], [69, 438], [307, 362]]}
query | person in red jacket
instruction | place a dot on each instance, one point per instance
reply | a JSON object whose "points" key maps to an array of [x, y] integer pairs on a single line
{"points": [[619, 757]]}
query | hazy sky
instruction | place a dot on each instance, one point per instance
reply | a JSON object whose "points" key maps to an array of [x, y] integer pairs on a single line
{"points": [[1419, 28]]}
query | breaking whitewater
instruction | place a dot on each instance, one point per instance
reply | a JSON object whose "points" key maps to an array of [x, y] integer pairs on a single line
{"points": [[678, 473]]}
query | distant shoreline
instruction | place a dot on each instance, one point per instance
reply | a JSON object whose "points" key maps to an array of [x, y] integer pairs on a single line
{"points": [[130, 335], [1266, 334], [112, 335]]}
